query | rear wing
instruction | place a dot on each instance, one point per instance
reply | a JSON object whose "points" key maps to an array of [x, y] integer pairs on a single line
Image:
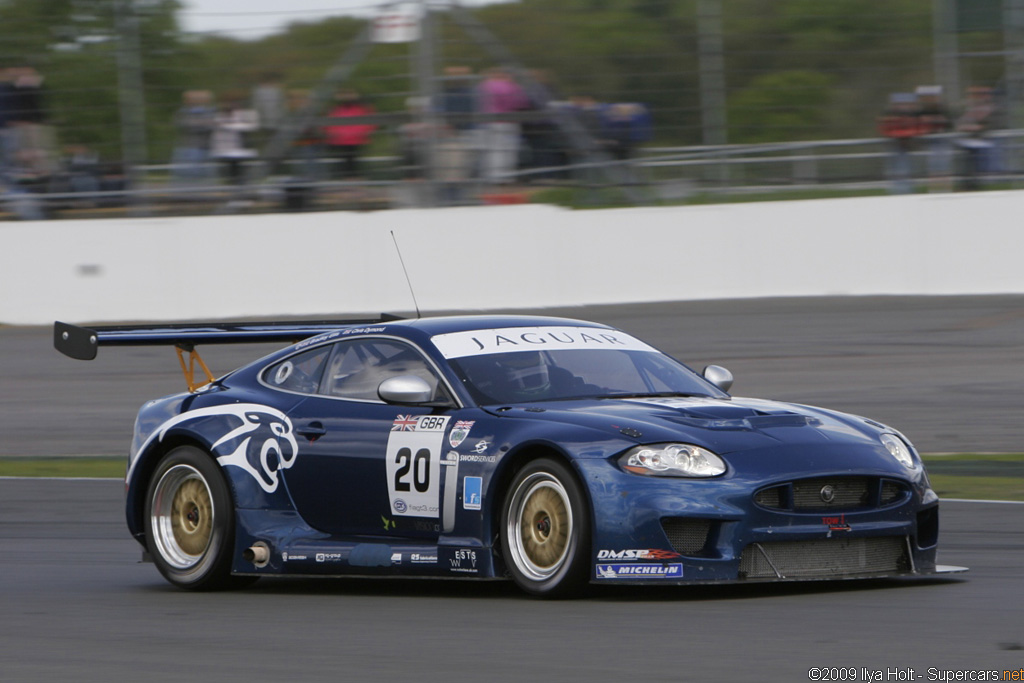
{"points": [[82, 343]]}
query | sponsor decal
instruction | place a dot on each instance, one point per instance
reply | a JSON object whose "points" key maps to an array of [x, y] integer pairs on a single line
{"points": [[468, 457], [389, 524], [481, 446], [472, 493], [396, 558], [413, 457], [318, 339], [459, 432], [463, 561], [640, 571], [647, 554], [836, 523], [422, 558], [262, 444], [363, 330], [328, 557], [513, 339], [287, 557]]}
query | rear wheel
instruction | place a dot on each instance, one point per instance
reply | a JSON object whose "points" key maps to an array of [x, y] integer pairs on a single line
{"points": [[190, 522], [546, 530]]}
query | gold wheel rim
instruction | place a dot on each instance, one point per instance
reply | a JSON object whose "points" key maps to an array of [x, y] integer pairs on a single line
{"points": [[545, 527], [192, 517], [540, 526], [182, 517]]}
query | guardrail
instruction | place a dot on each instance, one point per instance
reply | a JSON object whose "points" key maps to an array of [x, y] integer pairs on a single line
{"points": [[671, 175]]}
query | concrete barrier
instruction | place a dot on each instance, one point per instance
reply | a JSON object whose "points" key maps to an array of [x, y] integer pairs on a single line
{"points": [[338, 263]]}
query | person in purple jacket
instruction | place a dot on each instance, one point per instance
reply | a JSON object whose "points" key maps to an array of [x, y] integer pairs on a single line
{"points": [[499, 93]]}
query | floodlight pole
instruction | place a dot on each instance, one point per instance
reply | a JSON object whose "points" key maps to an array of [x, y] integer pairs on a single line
{"points": [[131, 102], [424, 70], [711, 55]]}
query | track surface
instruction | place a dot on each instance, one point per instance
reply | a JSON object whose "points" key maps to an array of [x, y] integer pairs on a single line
{"points": [[78, 606]]}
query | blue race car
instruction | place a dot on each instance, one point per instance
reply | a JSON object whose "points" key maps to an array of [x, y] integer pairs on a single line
{"points": [[553, 451]]}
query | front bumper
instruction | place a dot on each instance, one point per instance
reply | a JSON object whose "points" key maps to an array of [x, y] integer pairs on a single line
{"points": [[680, 531]]}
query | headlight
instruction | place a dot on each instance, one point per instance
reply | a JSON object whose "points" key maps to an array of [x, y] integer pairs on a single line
{"points": [[898, 450], [672, 460]]}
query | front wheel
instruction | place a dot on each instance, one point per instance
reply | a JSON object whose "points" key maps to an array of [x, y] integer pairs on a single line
{"points": [[189, 521], [546, 530]]}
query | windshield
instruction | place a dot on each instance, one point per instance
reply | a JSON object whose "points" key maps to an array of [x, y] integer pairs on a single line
{"points": [[526, 376]]}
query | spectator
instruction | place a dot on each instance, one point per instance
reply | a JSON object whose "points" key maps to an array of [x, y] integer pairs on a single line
{"points": [[229, 143], [975, 123], [499, 94], [935, 122], [270, 105], [901, 124], [194, 122], [346, 141], [457, 102], [307, 147], [626, 125], [34, 140], [83, 173], [542, 139]]}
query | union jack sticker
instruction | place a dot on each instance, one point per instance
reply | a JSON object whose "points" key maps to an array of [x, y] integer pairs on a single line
{"points": [[404, 423]]}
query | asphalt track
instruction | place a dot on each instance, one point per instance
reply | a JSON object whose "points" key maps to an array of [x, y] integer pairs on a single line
{"points": [[77, 605]]}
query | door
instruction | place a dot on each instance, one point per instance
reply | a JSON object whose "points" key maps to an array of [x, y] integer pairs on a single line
{"points": [[366, 467]]}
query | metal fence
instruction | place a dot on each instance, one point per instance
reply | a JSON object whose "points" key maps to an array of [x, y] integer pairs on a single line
{"points": [[659, 176]]}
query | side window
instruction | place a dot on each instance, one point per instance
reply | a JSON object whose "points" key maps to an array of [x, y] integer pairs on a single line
{"points": [[302, 372], [357, 368]]}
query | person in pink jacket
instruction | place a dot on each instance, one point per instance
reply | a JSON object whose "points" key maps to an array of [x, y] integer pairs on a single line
{"points": [[497, 94], [345, 142]]}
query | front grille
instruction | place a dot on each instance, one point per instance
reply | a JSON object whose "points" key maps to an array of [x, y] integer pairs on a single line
{"points": [[687, 536], [824, 558], [847, 493], [831, 494]]}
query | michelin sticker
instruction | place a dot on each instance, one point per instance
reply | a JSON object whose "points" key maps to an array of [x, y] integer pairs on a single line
{"points": [[640, 571], [414, 464]]}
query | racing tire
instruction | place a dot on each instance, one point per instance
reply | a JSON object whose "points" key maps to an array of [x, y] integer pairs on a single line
{"points": [[190, 522], [545, 524]]}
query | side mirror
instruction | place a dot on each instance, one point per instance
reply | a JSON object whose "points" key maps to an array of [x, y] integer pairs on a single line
{"points": [[406, 390], [718, 376]]}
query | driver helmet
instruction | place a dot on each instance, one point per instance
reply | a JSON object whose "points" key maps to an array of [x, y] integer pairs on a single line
{"points": [[526, 372]]}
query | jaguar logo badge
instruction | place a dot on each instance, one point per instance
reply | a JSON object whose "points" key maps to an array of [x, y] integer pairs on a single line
{"points": [[828, 493]]}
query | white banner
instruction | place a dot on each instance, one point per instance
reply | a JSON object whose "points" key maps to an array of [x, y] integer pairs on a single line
{"points": [[398, 23], [512, 339]]}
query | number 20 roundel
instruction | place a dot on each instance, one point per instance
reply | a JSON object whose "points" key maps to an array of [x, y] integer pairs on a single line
{"points": [[414, 464]]}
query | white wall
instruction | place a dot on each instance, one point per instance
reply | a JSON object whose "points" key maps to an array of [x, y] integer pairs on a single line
{"points": [[341, 263]]}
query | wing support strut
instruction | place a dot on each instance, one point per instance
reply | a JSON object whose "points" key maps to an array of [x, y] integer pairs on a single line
{"points": [[190, 369]]}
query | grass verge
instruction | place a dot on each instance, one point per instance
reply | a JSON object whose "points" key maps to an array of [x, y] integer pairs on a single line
{"points": [[78, 466]]}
